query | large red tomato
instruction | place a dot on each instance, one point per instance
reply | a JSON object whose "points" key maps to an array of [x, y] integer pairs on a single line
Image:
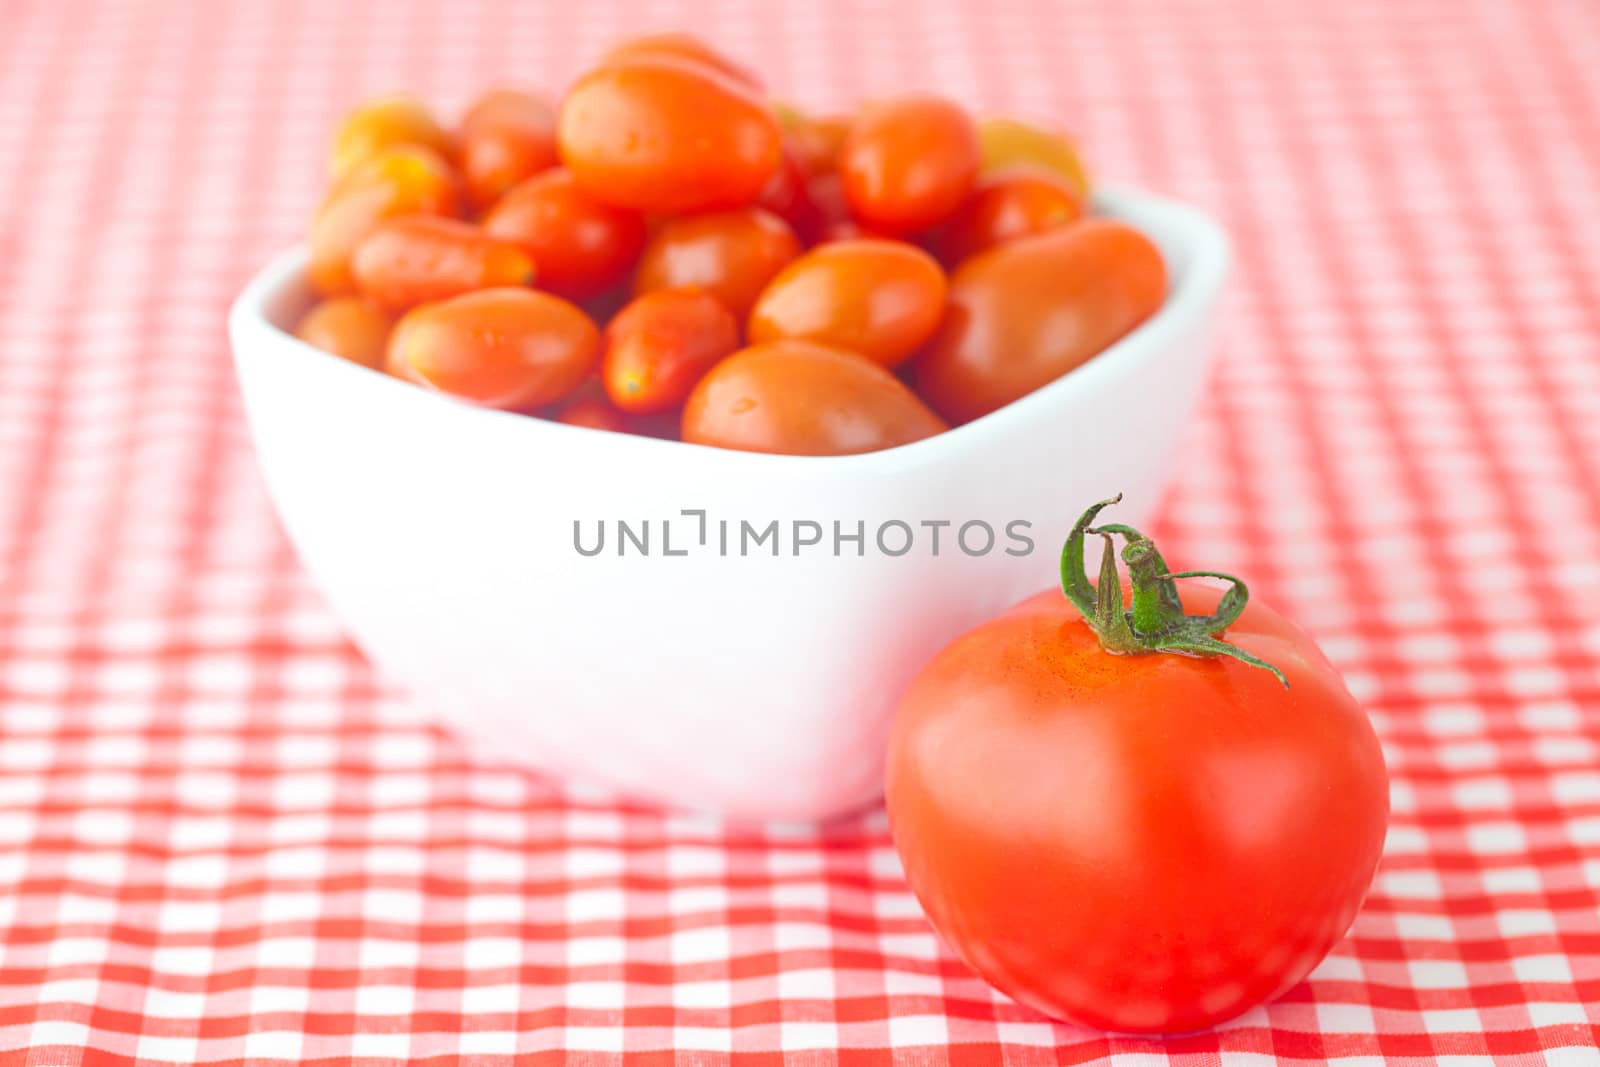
{"points": [[1138, 842]]}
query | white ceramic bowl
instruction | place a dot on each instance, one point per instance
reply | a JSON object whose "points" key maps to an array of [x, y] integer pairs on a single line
{"points": [[752, 685]]}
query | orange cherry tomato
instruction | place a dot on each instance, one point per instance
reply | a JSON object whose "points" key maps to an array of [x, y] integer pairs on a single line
{"points": [[907, 164], [582, 246], [594, 414], [1007, 143], [506, 137], [406, 180], [668, 135], [804, 399], [409, 261], [1024, 313], [381, 124], [349, 327], [660, 345], [683, 46], [504, 348], [881, 299], [1005, 206], [732, 255]]}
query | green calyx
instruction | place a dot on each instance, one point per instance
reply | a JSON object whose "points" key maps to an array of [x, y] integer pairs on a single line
{"points": [[1154, 620]]}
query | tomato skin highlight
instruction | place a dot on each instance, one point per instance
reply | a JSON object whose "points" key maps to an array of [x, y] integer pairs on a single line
{"points": [[661, 344], [581, 247], [1004, 207], [907, 164], [349, 327], [410, 261], [507, 137], [669, 136], [1139, 843], [804, 399], [882, 299], [732, 255], [406, 180], [1024, 313], [505, 348]]}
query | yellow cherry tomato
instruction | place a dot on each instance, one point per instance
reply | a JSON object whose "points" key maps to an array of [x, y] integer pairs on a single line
{"points": [[376, 125], [1007, 142]]}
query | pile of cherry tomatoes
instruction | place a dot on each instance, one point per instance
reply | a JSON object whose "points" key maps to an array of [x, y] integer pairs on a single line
{"points": [[671, 253]]}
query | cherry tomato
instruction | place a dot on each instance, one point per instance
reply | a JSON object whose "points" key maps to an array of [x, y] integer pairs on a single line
{"points": [[660, 345], [881, 299], [682, 46], [1142, 842], [669, 136], [378, 125], [1024, 313], [582, 247], [1008, 143], [732, 255], [503, 348], [409, 261], [908, 163], [594, 414], [804, 399], [407, 180], [1005, 206], [506, 137], [349, 327]]}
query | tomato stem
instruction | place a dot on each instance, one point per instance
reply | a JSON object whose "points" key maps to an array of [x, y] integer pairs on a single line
{"points": [[1153, 619]]}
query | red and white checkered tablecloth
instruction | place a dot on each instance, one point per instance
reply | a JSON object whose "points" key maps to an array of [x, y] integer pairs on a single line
{"points": [[222, 841]]}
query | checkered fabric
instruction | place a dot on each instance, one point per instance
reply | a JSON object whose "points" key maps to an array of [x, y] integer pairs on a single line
{"points": [[222, 841]]}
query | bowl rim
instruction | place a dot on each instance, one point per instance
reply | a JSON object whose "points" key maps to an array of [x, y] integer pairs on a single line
{"points": [[1193, 284]]}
